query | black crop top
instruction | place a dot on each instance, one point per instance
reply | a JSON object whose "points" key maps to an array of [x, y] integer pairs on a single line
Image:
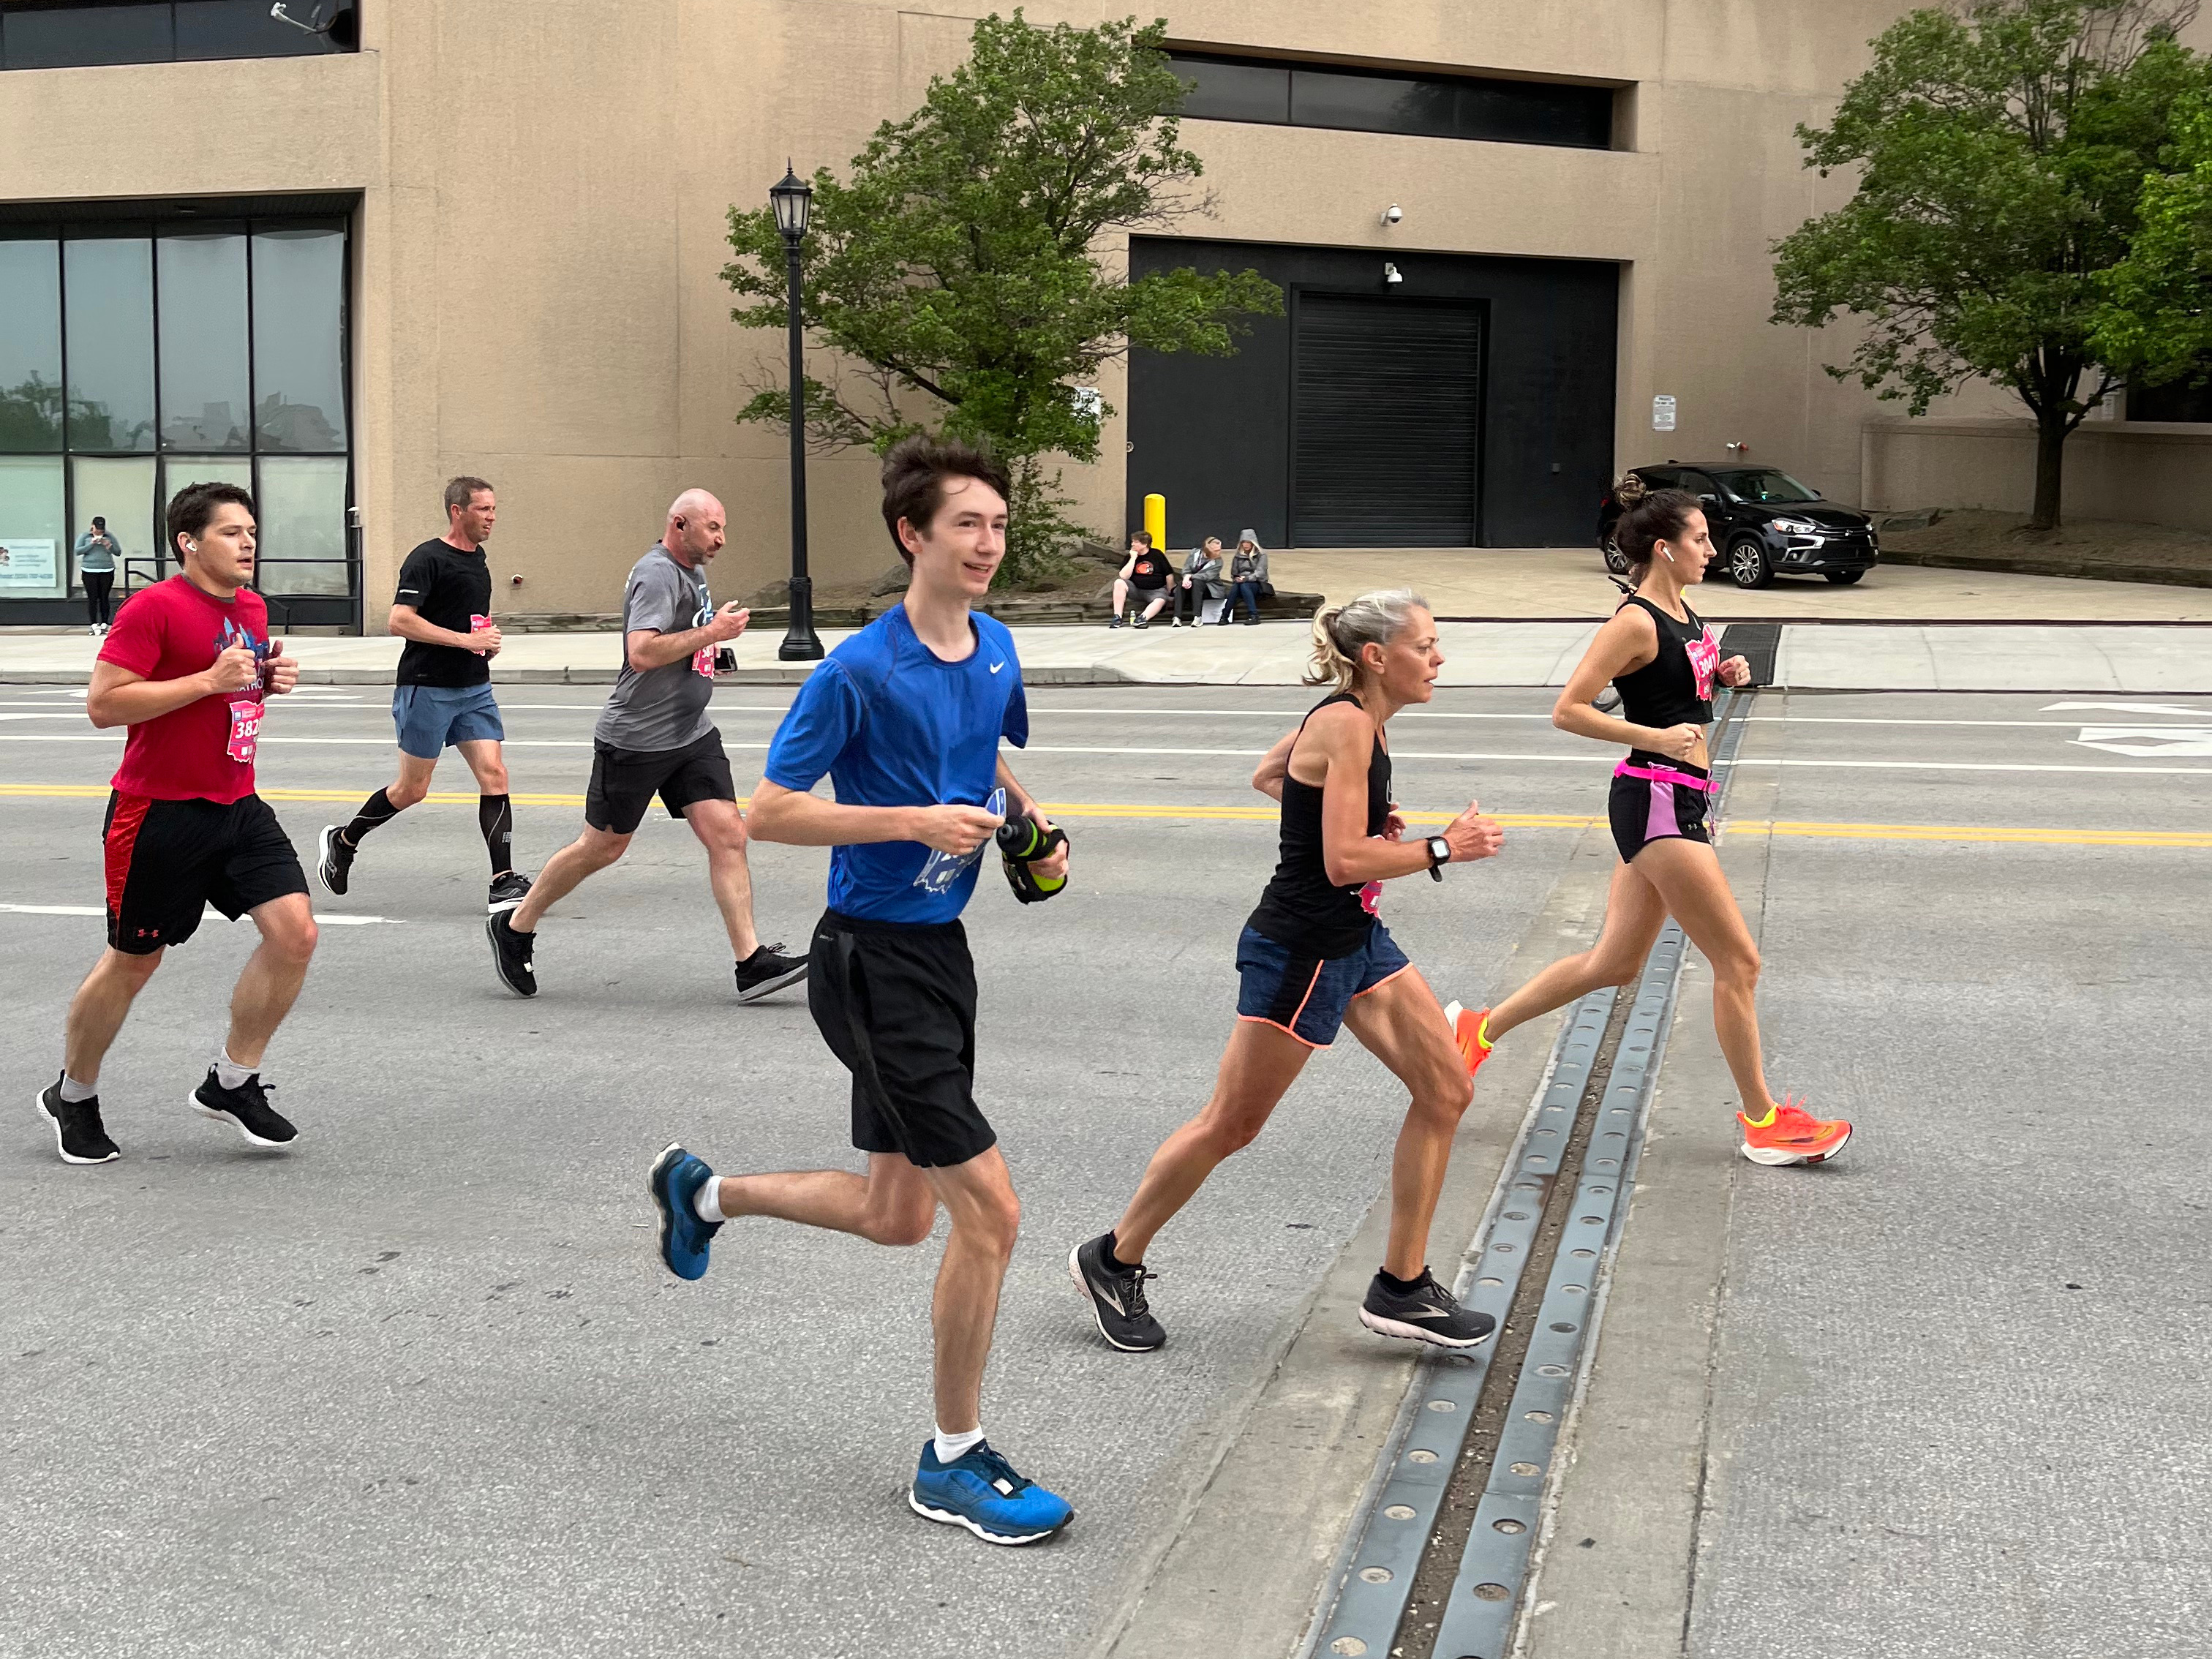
{"points": [[1675, 688], [1301, 909]]}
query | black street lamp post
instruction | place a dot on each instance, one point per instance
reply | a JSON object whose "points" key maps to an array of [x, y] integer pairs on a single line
{"points": [[791, 197]]}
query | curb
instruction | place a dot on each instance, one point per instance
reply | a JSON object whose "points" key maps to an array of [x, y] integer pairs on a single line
{"points": [[2088, 569]]}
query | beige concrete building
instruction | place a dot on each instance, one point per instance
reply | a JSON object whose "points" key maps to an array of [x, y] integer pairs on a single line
{"points": [[533, 197]]}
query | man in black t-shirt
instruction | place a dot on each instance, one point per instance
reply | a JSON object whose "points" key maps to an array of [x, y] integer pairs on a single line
{"points": [[1143, 580], [444, 700]]}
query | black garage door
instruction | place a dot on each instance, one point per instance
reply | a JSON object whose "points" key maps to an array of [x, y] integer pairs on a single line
{"points": [[1387, 417]]}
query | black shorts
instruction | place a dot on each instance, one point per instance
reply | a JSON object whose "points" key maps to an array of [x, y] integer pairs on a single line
{"points": [[1653, 799], [897, 1005], [624, 781], [167, 860]]}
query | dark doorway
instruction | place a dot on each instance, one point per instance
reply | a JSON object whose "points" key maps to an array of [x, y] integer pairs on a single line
{"points": [[1387, 420]]}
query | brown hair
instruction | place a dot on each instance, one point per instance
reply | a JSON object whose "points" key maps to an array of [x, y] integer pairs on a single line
{"points": [[192, 507], [460, 491], [1661, 516], [915, 472], [1142, 537]]}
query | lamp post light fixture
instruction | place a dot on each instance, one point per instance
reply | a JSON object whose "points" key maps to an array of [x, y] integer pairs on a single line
{"points": [[791, 197]]}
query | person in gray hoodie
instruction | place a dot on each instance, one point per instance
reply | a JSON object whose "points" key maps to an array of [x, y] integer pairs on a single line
{"points": [[1247, 576], [1199, 580]]}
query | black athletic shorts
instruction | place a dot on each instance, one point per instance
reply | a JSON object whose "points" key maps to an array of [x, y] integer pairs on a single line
{"points": [[1653, 799], [625, 781], [167, 860], [897, 1004]]}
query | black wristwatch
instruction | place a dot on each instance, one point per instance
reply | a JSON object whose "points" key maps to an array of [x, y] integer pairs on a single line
{"points": [[1439, 856]]}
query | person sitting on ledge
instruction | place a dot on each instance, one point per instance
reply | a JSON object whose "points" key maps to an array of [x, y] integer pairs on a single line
{"points": [[1143, 579]]}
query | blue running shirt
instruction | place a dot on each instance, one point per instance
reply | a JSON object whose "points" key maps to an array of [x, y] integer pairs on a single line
{"points": [[893, 725]]}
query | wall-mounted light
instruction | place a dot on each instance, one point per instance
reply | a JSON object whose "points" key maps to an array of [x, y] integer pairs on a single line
{"points": [[1390, 273], [1738, 448], [1392, 215]]}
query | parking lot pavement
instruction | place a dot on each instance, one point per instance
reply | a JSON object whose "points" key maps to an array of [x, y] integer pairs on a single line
{"points": [[1929, 1399], [421, 1386]]}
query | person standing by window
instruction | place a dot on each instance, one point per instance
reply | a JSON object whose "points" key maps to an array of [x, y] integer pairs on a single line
{"points": [[96, 552]]}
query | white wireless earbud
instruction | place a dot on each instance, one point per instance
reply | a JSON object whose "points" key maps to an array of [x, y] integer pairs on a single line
{"points": [[1664, 554]]}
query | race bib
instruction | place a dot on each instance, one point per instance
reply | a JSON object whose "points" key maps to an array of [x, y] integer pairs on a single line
{"points": [[702, 661], [244, 731], [478, 624], [1371, 898], [1705, 654], [941, 870]]}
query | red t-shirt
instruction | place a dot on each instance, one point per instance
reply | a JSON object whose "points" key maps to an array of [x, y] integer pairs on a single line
{"points": [[194, 753]]}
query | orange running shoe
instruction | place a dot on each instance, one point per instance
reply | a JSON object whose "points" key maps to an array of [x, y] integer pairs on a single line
{"points": [[1467, 1032], [1792, 1135]]}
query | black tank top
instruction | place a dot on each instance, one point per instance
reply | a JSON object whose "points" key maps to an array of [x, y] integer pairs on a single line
{"points": [[1675, 688], [1302, 910]]}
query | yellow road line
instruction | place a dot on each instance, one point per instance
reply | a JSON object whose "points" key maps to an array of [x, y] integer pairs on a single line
{"points": [[1991, 833]]}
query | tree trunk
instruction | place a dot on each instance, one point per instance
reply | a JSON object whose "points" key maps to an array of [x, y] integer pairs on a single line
{"points": [[2050, 429]]}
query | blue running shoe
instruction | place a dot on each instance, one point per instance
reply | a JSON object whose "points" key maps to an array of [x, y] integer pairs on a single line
{"points": [[675, 1182], [982, 1493]]}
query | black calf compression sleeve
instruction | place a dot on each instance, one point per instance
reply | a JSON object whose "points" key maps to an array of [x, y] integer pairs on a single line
{"points": [[377, 809], [495, 818]]}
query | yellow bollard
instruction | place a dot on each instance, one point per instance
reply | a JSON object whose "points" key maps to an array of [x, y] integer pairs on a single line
{"points": [[1156, 520]]}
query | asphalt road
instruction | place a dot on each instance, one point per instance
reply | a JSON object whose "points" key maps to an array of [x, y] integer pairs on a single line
{"points": [[421, 1386]]}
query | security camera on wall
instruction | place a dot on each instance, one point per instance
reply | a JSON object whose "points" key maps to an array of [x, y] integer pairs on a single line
{"points": [[333, 18], [1392, 214], [1391, 274]]}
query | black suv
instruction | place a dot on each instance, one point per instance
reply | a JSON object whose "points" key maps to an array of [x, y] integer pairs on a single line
{"points": [[1766, 523]]}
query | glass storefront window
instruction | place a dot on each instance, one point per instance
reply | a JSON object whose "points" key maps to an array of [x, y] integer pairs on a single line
{"points": [[34, 545], [298, 279], [31, 346], [109, 287], [121, 491], [302, 504], [205, 401]]}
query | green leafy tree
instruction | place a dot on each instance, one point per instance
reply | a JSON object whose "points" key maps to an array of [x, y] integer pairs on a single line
{"points": [[2003, 146], [960, 276], [2157, 318]]}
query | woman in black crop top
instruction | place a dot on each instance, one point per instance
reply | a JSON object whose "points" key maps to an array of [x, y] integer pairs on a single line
{"points": [[1663, 660], [1315, 956]]}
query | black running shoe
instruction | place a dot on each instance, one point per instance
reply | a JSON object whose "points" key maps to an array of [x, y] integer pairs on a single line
{"points": [[334, 859], [79, 1135], [507, 892], [1427, 1313], [510, 954], [1117, 1299], [767, 970], [245, 1108]]}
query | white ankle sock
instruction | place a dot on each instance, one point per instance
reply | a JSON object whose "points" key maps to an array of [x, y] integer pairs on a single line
{"points": [[707, 1202], [950, 1448], [229, 1075], [74, 1093]]}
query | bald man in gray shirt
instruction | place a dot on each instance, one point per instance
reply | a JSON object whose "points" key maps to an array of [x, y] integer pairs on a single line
{"points": [[656, 737]]}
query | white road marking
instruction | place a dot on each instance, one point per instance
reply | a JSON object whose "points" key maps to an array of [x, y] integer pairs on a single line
{"points": [[2147, 740], [210, 914], [2196, 713]]}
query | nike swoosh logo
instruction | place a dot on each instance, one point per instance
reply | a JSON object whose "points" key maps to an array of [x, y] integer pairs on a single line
{"points": [[996, 667]]}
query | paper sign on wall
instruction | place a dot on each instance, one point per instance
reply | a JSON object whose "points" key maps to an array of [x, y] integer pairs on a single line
{"points": [[24, 563], [1662, 412]]}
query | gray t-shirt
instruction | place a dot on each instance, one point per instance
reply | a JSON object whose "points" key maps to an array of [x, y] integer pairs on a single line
{"points": [[664, 708]]}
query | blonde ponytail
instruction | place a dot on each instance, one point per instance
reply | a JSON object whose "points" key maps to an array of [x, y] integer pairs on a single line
{"points": [[1340, 631]]}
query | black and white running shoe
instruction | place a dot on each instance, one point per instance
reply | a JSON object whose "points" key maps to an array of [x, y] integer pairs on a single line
{"points": [[333, 859], [1116, 1297], [79, 1135], [507, 892], [767, 970], [510, 954], [245, 1108], [1427, 1313]]}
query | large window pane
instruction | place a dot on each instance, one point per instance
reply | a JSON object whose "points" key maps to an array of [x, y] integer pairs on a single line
{"points": [[30, 346], [1235, 92], [303, 536], [65, 33], [299, 285], [205, 404], [177, 470], [33, 536], [244, 28], [120, 492], [110, 288]]}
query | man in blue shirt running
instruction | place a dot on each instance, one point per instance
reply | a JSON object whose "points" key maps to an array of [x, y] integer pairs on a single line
{"points": [[906, 718]]}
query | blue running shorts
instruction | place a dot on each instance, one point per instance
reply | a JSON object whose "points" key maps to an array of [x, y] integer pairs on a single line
{"points": [[1307, 995], [431, 719]]}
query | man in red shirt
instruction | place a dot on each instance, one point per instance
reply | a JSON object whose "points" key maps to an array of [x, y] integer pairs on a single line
{"points": [[186, 667]]}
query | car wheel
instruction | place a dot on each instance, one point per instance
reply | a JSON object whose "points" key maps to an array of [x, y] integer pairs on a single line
{"points": [[1749, 566], [1615, 559], [1845, 578]]}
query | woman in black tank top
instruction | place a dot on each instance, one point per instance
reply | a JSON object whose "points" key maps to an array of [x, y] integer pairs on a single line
{"points": [[1664, 661], [1316, 955]]}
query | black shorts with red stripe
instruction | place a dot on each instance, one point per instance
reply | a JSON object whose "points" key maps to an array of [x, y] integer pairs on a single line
{"points": [[167, 860]]}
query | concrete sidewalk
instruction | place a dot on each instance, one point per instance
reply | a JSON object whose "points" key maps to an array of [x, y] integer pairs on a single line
{"points": [[1993, 657]]}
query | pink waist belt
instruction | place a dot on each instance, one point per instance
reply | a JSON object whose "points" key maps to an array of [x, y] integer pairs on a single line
{"points": [[1662, 775]]}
